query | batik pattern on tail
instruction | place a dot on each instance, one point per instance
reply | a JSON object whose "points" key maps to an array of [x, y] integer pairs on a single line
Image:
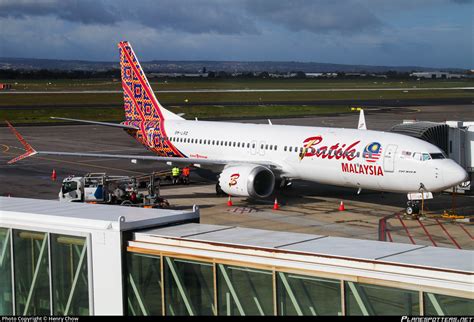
{"points": [[141, 106]]}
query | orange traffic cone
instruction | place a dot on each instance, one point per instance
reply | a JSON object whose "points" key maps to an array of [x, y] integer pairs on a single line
{"points": [[341, 206], [276, 206], [229, 202], [53, 175]]}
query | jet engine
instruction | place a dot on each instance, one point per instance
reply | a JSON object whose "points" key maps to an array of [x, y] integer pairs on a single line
{"points": [[255, 181]]}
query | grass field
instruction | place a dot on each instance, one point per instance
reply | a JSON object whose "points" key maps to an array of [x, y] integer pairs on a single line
{"points": [[115, 99], [31, 108], [42, 115]]}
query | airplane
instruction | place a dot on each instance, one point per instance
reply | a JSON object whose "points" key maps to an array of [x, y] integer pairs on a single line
{"points": [[251, 159]]}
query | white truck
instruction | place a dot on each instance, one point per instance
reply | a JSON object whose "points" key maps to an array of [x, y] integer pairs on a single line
{"points": [[121, 190]]}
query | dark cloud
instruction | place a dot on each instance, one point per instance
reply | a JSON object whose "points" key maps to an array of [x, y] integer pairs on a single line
{"points": [[317, 16], [82, 11], [206, 16]]}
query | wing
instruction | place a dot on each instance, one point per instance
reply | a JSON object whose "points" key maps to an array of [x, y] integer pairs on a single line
{"points": [[123, 126], [198, 162]]}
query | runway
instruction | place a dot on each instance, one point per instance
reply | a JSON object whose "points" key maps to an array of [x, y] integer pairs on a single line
{"points": [[248, 90]]}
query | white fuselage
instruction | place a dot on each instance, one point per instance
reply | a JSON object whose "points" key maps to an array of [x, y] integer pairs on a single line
{"points": [[333, 156]]}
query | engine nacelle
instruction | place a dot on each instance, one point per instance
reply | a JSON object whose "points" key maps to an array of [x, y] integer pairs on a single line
{"points": [[255, 181]]}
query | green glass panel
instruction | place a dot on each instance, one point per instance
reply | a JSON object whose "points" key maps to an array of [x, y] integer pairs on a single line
{"points": [[32, 293], [6, 298], [244, 291], [69, 275], [437, 304], [143, 284], [306, 295], [188, 287], [367, 299]]}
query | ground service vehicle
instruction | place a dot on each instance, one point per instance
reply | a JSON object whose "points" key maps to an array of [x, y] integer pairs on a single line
{"points": [[120, 190]]}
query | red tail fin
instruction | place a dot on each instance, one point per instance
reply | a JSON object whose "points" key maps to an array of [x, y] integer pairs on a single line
{"points": [[140, 103]]}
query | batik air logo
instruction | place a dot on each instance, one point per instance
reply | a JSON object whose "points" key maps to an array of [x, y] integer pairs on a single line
{"points": [[312, 147], [233, 179]]}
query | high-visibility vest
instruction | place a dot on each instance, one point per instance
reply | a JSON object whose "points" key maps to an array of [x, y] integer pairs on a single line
{"points": [[175, 171]]}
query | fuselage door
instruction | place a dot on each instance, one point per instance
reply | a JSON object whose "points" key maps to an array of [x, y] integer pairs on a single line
{"points": [[389, 158]]}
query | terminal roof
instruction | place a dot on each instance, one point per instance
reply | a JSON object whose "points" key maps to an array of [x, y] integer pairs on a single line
{"points": [[357, 249], [55, 213]]}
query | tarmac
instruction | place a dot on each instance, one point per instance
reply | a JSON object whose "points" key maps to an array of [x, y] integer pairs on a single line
{"points": [[305, 207]]}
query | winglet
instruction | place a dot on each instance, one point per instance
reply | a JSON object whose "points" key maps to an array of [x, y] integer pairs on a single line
{"points": [[362, 125], [28, 148]]}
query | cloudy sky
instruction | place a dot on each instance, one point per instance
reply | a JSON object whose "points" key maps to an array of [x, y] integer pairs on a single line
{"points": [[434, 33]]}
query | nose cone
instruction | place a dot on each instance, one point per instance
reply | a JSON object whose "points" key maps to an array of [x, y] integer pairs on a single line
{"points": [[454, 174]]}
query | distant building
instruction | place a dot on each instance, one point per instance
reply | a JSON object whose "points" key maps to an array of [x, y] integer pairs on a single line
{"points": [[176, 75], [436, 75]]}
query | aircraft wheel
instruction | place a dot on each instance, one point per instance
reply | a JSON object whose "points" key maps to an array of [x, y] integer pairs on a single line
{"points": [[409, 211]]}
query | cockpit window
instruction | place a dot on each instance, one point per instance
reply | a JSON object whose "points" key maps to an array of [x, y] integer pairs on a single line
{"points": [[435, 156], [426, 157]]}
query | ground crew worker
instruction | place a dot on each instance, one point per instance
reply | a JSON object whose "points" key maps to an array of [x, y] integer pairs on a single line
{"points": [[175, 173], [186, 171]]}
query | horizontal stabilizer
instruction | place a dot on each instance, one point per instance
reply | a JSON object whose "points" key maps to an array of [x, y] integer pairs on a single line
{"points": [[28, 148]]}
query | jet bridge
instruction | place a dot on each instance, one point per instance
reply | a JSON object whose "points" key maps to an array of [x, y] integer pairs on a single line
{"points": [[455, 138]]}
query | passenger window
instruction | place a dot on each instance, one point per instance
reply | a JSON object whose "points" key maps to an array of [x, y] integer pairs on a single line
{"points": [[261, 146], [275, 147], [248, 145], [238, 144], [253, 146], [291, 149], [284, 148], [266, 146]]}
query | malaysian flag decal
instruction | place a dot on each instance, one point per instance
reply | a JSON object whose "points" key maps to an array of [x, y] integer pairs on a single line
{"points": [[372, 152]]}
